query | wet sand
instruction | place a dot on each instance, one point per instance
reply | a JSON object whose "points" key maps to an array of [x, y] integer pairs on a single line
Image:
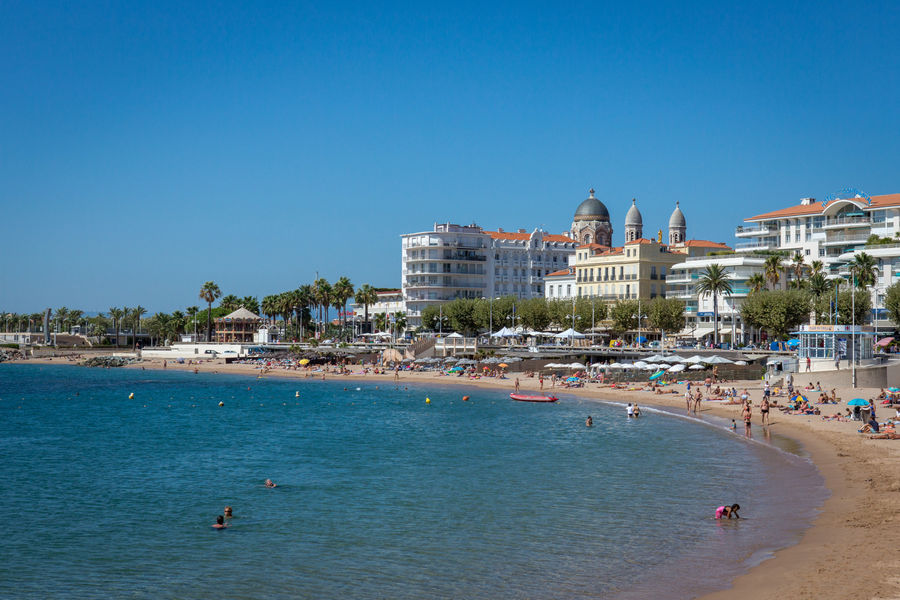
{"points": [[851, 550]]}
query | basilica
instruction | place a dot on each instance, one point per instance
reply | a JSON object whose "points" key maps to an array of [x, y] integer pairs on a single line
{"points": [[591, 224]]}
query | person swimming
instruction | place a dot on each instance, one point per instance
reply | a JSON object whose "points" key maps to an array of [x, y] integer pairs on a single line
{"points": [[589, 422], [220, 523], [228, 514], [270, 483], [728, 511]]}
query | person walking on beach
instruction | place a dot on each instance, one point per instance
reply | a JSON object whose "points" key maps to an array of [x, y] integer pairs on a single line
{"points": [[688, 398], [541, 381], [764, 411], [697, 400], [747, 415], [517, 385], [808, 363]]}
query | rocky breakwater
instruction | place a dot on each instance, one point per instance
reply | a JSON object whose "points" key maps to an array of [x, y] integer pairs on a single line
{"points": [[108, 361], [9, 354]]}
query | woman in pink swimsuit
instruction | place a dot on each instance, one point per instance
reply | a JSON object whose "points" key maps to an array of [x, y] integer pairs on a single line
{"points": [[728, 511]]}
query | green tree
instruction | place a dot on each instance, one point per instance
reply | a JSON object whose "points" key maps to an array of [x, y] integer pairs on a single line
{"points": [[136, 314], [192, 316], [343, 291], [534, 313], [773, 270], [756, 282], [430, 316], [777, 312], [461, 313], [230, 303], [714, 281], [864, 269], [209, 293], [381, 321], [849, 303], [399, 323], [367, 296], [892, 302], [665, 314], [496, 314], [322, 298], [623, 314], [251, 303], [116, 314]]}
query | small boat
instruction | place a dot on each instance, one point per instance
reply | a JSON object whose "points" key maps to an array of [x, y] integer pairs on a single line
{"points": [[527, 398]]}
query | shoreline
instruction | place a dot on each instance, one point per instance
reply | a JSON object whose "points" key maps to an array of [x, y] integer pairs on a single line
{"points": [[847, 552]]}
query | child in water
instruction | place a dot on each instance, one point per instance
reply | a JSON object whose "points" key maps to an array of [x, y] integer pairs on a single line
{"points": [[728, 511]]}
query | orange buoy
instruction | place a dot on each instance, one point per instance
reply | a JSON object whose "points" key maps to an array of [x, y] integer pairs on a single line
{"points": [[465, 398]]}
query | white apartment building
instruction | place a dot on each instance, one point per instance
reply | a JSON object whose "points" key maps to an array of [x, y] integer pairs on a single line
{"points": [[833, 233], [560, 285], [466, 261], [698, 310]]}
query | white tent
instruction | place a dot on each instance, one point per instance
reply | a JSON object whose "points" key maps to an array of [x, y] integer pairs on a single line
{"points": [[454, 335], [569, 333]]}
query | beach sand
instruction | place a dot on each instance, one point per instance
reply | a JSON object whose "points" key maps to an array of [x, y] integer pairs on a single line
{"points": [[852, 550]]}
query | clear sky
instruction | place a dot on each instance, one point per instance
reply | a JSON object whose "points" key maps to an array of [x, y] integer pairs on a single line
{"points": [[148, 147]]}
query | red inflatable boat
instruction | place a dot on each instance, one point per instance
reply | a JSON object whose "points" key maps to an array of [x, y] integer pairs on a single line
{"points": [[527, 398]]}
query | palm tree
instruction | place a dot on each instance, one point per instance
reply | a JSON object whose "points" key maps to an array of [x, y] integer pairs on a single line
{"points": [[322, 297], [714, 281], [209, 293], [399, 322], [116, 315], [192, 314], [381, 321], [136, 313], [773, 269], [230, 302], [75, 317], [251, 303], [269, 306], [62, 313], [285, 306], [818, 285], [864, 269], [366, 295], [343, 291], [756, 282], [816, 267]]}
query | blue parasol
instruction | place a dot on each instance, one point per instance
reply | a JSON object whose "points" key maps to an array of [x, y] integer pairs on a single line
{"points": [[858, 402]]}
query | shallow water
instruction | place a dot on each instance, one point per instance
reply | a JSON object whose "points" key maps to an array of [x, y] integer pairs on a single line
{"points": [[379, 495]]}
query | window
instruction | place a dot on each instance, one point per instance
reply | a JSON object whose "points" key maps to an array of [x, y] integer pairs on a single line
{"points": [[821, 251], [807, 252], [797, 236]]}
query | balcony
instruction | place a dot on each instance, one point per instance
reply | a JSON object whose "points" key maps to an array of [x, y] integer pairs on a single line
{"points": [[760, 230], [681, 278], [751, 246], [845, 239], [847, 222]]}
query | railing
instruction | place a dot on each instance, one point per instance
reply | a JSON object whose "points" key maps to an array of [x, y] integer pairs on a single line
{"points": [[753, 246], [752, 231], [849, 239], [843, 221]]}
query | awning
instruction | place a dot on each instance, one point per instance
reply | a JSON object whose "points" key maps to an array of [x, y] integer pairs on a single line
{"points": [[884, 341]]}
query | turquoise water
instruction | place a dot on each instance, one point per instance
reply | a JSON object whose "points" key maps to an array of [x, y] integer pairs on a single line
{"points": [[379, 495]]}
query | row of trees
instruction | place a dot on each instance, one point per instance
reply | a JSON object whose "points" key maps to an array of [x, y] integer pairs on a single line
{"points": [[469, 316]]}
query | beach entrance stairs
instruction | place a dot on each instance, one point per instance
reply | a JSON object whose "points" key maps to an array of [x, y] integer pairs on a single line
{"points": [[422, 348]]}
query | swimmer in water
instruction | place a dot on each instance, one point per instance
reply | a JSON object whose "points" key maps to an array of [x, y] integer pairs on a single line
{"points": [[589, 422], [728, 511], [228, 514], [220, 523], [270, 483]]}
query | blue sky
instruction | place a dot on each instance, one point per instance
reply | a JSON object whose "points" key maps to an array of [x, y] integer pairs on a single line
{"points": [[148, 147]]}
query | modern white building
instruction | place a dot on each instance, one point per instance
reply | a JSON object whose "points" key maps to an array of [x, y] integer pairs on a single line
{"points": [[560, 285], [833, 232], [466, 261], [389, 302], [699, 317]]}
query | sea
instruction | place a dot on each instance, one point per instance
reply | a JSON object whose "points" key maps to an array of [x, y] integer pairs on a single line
{"points": [[383, 491]]}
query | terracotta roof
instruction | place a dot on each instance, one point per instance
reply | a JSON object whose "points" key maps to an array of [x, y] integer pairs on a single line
{"points": [[816, 208], [508, 235], [592, 246], [706, 244], [640, 241], [562, 273]]}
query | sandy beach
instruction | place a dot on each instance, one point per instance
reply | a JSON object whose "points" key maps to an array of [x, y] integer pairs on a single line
{"points": [[848, 553]]}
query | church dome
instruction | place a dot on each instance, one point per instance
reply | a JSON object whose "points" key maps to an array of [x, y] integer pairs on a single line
{"points": [[677, 218], [591, 210], [633, 216]]}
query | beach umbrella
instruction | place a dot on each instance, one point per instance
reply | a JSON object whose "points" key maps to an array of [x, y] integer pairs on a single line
{"points": [[694, 360], [718, 360], [503, 365], [742, 363], [696, 367], [894, 389], [304, 361], [571, 379], [650, 368], [858, 402], [627, 366], [676, 369], [615, 365], [640, 364], [801, 397], [663, 366], [577, 365]]}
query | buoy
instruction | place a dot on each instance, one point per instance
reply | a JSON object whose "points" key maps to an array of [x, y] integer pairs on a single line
{"points": [[427, 400], [465, 398], [131, 396], [221, 403], [296, 394]]}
